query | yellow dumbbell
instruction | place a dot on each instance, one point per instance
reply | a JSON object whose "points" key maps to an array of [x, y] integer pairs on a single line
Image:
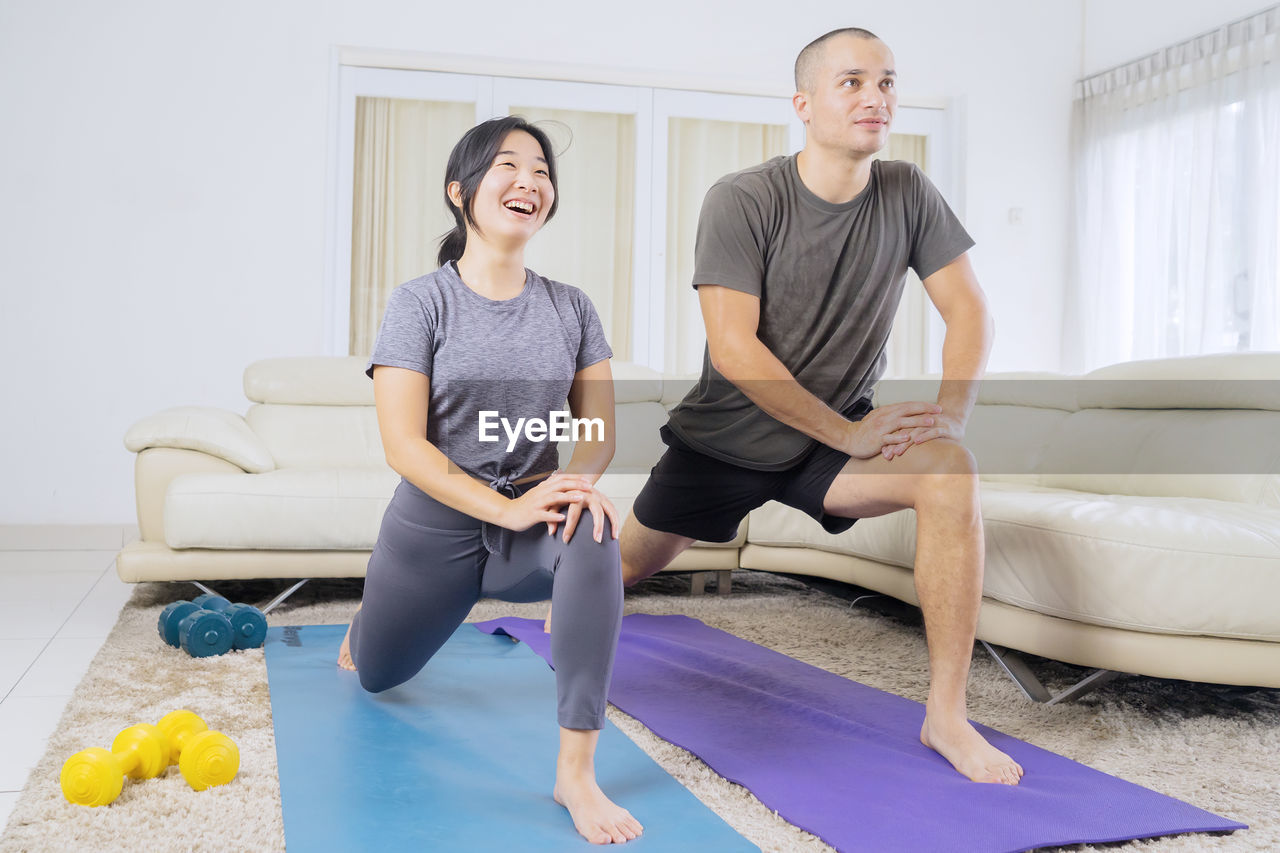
{"points": [[205, 758], [95, 776]]}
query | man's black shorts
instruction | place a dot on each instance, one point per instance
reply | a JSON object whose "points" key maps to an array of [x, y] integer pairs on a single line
{"points": [[691, 494]]}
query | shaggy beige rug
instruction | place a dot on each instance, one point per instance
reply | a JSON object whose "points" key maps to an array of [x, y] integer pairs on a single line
{"points": [[1216, 747]]}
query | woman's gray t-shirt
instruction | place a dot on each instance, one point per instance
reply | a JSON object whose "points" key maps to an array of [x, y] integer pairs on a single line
{"points": [[515, 357]]}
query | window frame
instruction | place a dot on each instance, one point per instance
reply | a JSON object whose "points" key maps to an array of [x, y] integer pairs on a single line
{"points": [[355, 82], [370, 74]]}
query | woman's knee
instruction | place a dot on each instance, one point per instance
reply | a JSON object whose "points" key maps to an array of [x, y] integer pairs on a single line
{"points": [[583, 538], [377, 679], [583, 548]]}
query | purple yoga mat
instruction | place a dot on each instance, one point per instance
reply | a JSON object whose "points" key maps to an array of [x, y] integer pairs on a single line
{"points": [[844, 761]]}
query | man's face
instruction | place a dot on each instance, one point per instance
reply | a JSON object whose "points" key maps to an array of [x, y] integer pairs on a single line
{"points": [[854, 97]]}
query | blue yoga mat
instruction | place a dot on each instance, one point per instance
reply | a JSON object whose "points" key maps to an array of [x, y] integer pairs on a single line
{"points": [[461, 757], [844, 761]]}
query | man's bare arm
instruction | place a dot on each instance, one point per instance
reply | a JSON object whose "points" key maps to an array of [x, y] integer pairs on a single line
{"points": [[955, 292], [732, 320]]}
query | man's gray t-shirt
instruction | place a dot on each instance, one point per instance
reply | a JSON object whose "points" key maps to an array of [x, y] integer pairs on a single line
{"points": [[829, 277], [516, 357]]}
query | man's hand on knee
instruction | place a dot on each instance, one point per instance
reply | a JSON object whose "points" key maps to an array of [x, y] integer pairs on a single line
{"points": [[887, 431], [944, 427]]}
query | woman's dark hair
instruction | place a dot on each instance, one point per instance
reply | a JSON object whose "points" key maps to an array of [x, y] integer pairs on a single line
{"points": [[468, 163]]}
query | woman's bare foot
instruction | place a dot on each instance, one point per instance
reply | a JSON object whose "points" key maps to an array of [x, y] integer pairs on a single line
{"points": [[597, 818], [344, 651], [968, 751]]}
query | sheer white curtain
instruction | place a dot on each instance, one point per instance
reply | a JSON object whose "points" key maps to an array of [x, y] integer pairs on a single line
{"points": [[398, 208], [1177, 201], [700, 152], [907, 349], [590, 242]]}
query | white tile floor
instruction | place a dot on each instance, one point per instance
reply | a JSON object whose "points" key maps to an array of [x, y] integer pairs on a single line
{"points": [[59, 598]]}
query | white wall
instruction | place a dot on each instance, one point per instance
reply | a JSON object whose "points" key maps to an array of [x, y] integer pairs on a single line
{"points": [[1118, 31], [162, 195]]}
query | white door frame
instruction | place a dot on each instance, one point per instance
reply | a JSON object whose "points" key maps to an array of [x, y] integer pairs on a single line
{"points": [[351, 82]]}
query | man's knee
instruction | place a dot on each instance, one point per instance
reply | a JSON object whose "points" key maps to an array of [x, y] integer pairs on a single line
{"points": [[944, 456], [949, 478]]}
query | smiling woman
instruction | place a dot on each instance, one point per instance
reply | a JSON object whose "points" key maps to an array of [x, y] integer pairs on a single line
{"points": [[503, 173], [471, 517]]}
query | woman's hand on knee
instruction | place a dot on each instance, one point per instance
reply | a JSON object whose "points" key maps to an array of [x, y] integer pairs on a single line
{"points": [[601, 508], [542, 503]]}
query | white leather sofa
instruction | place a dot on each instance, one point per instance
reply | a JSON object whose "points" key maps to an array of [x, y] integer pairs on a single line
{"points": [[1132, 515], [296, 487]]}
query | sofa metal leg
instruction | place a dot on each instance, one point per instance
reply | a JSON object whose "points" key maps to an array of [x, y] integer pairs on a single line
{"points": [[724, 581], [1016, 668], [275, 602]]}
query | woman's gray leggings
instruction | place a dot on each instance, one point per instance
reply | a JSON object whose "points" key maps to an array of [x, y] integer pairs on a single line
{"points": [[429, 567]]}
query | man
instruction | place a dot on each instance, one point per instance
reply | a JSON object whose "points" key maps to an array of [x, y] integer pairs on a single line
{"points": [[800, 264]]}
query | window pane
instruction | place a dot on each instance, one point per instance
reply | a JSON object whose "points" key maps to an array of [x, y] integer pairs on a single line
{"points": [[700, 152], [906, 146], [398, 208], [590, 242]]}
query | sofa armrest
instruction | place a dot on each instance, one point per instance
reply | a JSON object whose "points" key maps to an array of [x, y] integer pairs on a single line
{"points": [[216, 432], [155, 468]]}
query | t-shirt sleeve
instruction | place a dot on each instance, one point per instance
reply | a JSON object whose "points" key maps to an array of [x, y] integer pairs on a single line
{"points": [[593, 347], [729, 248], [937, 237], [407, 335]]}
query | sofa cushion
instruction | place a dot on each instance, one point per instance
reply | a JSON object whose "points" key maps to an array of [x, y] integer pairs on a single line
{"points": [[634, 383], [1230, 455], [216, 432], [309, 381], [319, 436], [314, 509], [637, 443], [1240, 380], [1169, 565], [310, 509]]}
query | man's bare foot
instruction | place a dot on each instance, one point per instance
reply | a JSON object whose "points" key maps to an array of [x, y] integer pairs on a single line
{"points": [[968, 751], [597, 818], [546, 625]]}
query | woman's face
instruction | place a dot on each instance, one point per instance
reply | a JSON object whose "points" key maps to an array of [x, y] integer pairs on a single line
{"points": [[514, 196]]}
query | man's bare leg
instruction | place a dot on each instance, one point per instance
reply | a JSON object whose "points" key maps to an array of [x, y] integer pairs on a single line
{"points": [[597, 818], [645, 552], [938, 480]]}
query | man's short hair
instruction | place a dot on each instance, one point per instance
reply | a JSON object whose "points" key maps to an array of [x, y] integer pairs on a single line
{"points": [[807, 61]]}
